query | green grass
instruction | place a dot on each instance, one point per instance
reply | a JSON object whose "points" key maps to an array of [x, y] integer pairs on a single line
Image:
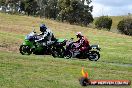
{"points": [[17, 71], [45, 72]]}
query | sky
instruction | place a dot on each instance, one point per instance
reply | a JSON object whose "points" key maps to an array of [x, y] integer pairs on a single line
{"points": [[111, 7]]}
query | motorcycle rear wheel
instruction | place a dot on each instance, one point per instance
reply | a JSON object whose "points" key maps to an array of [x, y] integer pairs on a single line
{"points": [[94, 56]]}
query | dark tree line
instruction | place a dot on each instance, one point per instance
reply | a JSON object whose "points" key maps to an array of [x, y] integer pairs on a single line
{"points": [[72, 11], [75, 11]]}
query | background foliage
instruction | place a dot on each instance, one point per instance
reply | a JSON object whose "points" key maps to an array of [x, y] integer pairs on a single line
{"points": [[103, 22], [72, 11], [125, 26]]}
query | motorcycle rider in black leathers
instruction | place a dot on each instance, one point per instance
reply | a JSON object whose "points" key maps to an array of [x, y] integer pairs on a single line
{"points": [[47, 37]]}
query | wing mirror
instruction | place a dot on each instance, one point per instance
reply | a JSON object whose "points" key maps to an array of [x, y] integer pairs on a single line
{"points": [[71, 38], [34, 30]]}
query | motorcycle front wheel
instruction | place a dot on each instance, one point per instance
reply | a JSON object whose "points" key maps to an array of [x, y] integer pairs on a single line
{"points": [[58, 53], [25, 50]]}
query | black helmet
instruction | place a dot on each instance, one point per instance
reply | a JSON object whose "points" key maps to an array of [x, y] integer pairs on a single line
{"points": [[43, 28]]}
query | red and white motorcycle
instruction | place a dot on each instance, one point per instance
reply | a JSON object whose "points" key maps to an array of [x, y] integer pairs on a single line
{"points": [[92, 53]]}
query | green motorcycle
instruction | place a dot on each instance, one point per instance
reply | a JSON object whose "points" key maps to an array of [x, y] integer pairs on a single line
{"points": [[29, 46]]}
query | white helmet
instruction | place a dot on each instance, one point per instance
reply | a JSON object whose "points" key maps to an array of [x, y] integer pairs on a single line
{"points": [[79, 34]]}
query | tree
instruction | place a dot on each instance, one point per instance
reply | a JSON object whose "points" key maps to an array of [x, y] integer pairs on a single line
{"points": [[22, 6], [125, 26], [2, 2], [52, 9], [75, 11], [64, 9], [42, 7], [103, 22], [48, 8], [31, 7]]}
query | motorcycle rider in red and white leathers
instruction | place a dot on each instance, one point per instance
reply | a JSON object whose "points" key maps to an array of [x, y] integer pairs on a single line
{"points": [[83, 43]]}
